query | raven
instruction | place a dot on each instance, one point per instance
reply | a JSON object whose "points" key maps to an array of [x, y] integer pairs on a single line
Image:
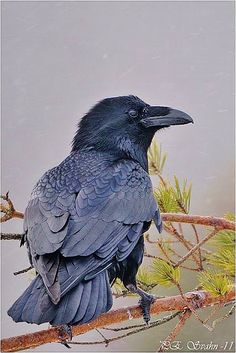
{"points": [[84, 223]]}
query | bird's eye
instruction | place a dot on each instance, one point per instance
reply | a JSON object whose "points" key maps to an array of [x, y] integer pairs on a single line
{"points": [[133, 113]]}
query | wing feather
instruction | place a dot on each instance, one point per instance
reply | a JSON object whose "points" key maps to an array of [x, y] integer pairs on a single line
{"points": [[92, 213]]}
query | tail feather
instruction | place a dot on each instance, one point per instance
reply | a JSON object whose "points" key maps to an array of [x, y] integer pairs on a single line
{"points": [[16, 311], [67, 309], [95, 289], [83, 303]]}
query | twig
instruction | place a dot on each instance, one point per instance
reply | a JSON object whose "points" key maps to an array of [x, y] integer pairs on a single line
{"points": [[193, 305], [171, 262], [8, 209], [171, 229], [22, 271], [231, 302], [217, 321], [199, 249], [106, 341], [216, 222], [173, 303], [11, 236], [156, 322], [172, 241], [164, 251], [196, 236], [166, 343], [213, 312], [162, 179], [140, 328], [186, 256], [147, 238], [180, 229]]}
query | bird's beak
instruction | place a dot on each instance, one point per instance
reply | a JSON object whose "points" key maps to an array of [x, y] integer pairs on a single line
{"points": [[165, 116]]}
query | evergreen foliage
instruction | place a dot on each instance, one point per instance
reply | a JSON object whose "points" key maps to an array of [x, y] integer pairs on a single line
{"points": [[215, 283], [165, 274]]}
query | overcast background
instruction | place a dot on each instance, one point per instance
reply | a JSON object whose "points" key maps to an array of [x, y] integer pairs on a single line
{"points": [[59, 58]]}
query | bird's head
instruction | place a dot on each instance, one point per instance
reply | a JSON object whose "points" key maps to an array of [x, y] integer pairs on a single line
{"points": [[123, 124]]}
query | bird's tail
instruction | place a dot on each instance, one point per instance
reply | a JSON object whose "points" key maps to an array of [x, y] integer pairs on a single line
{"points": [[83, 303]]}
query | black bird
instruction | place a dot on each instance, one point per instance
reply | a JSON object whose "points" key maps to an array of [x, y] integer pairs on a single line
{"points": [[85, 220]]}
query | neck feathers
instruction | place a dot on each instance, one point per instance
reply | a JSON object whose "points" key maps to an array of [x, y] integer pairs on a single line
{"points": [[116, 143]]}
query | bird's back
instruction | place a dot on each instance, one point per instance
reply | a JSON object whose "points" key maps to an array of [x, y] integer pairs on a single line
{"points": [[84, 215]]}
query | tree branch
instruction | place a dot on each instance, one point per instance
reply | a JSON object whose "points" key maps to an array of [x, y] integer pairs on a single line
{"points": [[216, 222], [137, 329], [8, 209], [197, 246], [173, 303], [11, 236], [166, 343], [23, 271]]}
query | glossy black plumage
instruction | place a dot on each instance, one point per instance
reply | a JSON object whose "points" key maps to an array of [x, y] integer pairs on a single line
{"points": [[84, 223]]}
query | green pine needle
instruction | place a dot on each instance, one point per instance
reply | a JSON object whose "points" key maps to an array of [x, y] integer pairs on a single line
{"points": [[224, 255], [183, 196], [145, 276], [156, 159], [174, 198], [164, 273], [216, 284], [230, 216], [166, 199], [223, 259], [224, 239]]}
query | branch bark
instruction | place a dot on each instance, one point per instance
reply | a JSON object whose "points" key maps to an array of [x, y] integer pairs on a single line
{"points": [[8, 209], [11, 236], [220, 223], [197, 246], [173, 303], [165, 344]]}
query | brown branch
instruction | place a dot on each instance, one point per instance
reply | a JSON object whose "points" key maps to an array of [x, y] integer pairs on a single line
{"points": [[196, 247], [196, 236], [173, 303], [11, 236], [23, 271], [167, 341], [171, 262], [217, 321], [159, 322], [199, 249], [194, 304], [172, 230], [8, 209], [137, 329], [216, 222], [172, 241]]}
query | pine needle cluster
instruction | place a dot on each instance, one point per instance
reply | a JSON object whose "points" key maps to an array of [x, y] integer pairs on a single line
{"points": [[217, 284], [165, 274]]}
